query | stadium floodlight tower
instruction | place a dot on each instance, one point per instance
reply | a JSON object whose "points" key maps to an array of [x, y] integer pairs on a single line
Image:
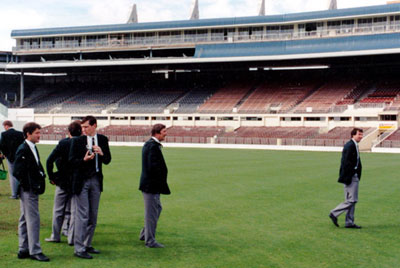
{"points": [[133, 17], [332, 4], [262, 8], [195, 15]]}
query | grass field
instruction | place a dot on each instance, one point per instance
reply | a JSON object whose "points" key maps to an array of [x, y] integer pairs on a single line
{"points": [[231, 208]]}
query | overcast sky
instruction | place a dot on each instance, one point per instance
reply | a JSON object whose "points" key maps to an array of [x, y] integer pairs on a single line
{"points": [[28, 14]]}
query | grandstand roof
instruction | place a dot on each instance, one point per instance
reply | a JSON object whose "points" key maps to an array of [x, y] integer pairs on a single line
{"points": [[221, 22]]}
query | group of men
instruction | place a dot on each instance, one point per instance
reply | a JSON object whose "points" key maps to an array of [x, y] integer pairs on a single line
{"points": [[79, 183]]}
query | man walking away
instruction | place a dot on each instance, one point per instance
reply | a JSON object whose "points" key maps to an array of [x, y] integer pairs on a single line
{"points": [[350, 176]]}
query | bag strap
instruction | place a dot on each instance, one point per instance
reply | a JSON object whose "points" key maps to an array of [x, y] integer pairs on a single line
{"points": [[2, 165]]}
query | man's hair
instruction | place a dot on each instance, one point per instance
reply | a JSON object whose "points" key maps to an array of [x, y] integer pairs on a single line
{"points": [[75, 128], [30, 128], [92, 120], [355, 130], [7, 123], [157, 129]]}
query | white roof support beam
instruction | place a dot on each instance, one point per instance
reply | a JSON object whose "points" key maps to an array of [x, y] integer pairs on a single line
{"points": [[195, 15], [133, 17], [332, 4], [262, 8]]}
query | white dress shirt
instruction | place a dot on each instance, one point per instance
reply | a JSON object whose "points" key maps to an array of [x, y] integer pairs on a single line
{"points": [[90, 147], [358, 153]]}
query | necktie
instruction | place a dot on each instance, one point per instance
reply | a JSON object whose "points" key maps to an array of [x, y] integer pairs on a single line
{"points": [[37, 154], [93, 144]]}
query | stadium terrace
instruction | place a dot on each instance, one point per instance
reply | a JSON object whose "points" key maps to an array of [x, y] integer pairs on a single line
{"points": [[299, 79]]}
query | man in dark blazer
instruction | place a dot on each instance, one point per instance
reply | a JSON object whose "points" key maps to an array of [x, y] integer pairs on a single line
{"points": [[29, 172], [349, 175], [10, 140], [62, 180], [153, 182], [87, 155]]}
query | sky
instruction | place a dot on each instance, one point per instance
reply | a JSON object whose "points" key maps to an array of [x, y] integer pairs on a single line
{"points": [[30, 14]]}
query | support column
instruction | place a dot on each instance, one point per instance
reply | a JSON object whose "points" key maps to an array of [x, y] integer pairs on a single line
{"points": [[21, 94]]}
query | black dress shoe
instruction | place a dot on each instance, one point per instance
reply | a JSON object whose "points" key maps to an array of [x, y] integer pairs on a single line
{"points": [[92, 250], [155, 245], [334, 219], [23, 254], [354, 226], [83, 255], [39, 257]]}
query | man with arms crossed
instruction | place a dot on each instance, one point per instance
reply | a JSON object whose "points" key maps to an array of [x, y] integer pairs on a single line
{"points": [[10, 140], [29, 172], [153, 182], [87, 155], [62, 180], [350, 175]]}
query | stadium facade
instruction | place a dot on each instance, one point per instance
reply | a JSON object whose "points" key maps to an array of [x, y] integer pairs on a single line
{"points": [[321, 70]]}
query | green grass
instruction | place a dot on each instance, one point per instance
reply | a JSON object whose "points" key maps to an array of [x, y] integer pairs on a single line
{"points": [[231, 208]]}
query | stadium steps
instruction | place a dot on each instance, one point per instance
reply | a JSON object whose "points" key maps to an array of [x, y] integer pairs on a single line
{"points": [[245, 97], [174, 105], [310, 93], [114, 105], [368, 90]]}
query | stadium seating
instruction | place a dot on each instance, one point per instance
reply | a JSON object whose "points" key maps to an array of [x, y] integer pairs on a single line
{"points": [[148, 100], [226, 98], [54, 132], [393, 141], [92, 101], [268, 135], [276, 96], [322, 100], [386, 92], [126, 133], [193, 99], [192, 134]]}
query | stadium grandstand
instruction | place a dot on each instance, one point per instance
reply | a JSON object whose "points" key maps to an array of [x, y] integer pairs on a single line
{"points": [[301, 79]]}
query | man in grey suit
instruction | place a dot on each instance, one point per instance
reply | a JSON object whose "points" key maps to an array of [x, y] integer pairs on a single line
{"points": [[153, 182], [10, 140], [62, 180], [87, 155], [350, 176], [30, 173]]}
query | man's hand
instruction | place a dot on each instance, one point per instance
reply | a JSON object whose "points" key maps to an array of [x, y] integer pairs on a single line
{"points": [[88, 156], [97, 150]]}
